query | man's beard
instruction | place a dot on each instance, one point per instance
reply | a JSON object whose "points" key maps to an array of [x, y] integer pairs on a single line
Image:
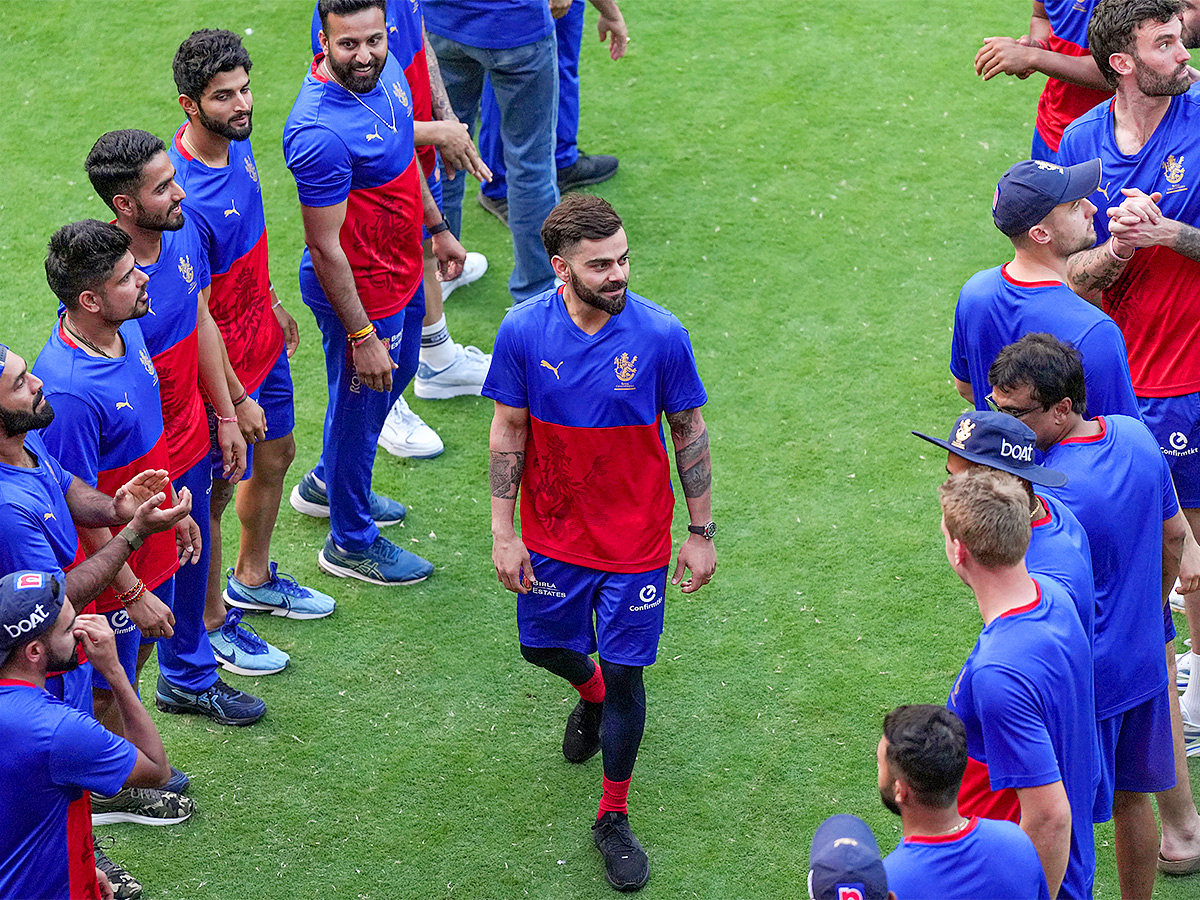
{"points": [[65, 663], [1154, 85], [610, 305], [166, 223], [17, 422], [889, 800], [356, 80], [224, 129]]}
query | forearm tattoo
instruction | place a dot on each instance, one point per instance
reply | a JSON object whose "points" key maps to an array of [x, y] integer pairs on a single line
{"points": [[1093, 270], [692, 460], [504, 472], [437, 88]]}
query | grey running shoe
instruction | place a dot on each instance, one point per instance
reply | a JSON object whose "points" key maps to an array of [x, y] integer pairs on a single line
{"points": [[143, 806]]}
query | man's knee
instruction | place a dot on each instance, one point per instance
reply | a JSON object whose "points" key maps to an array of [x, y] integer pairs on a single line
{"points": [[222, 493], [620, 680], [540, 656], [272, 458]]}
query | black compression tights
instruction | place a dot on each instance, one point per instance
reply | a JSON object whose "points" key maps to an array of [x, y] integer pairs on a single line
{"points": [[624, 703]]}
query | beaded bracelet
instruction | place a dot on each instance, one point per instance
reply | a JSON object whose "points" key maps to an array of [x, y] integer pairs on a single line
{"points": [[362, 332], [133, 595]]}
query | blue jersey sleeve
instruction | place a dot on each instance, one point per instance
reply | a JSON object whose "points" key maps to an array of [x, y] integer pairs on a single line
{"points": [[505, 380], [1018, 746], [960, 367], [73, 438], [25, 545], [680, 386], [1170, 501], [86, 754], [321, 164], [1106, 371]]}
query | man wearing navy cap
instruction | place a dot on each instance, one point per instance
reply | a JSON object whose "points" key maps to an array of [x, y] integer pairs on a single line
{"points": [[54, 755], [1043, 210], [844, 863]]}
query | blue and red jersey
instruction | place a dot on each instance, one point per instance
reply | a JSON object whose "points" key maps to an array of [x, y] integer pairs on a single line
{"points": [[406, 42], [986, 859], [1025, 697], [994, 310], [596, 490], [341, 147], [169, 328], [1120, 490], [53, 755], [108, 427], [491, 24], [35, 520], [1156, 301], [1062, 102], [226, 206]]}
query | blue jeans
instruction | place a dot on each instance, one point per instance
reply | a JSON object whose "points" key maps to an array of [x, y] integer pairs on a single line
{"points": [[568, 32], [525, 81]]}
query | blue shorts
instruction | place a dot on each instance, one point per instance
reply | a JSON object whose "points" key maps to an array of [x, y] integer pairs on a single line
{"points": [[628, 608], [1175, 422], [1137, 751], [434, 180], [274, 395], [1041, 150], [129, 639], [1168, 623]]}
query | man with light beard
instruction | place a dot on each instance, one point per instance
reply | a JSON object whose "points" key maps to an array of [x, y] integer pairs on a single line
{"points": [[1148, 138], [582, 376]]}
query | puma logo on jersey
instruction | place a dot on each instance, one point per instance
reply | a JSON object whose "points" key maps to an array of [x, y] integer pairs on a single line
{"points": [[46, 517], [374, 136], [1104, 191], [232, 211], [125, 403], [553, 369]]}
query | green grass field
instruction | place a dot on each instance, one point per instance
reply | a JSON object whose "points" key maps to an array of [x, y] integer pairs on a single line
{"points": [[806, 185]]}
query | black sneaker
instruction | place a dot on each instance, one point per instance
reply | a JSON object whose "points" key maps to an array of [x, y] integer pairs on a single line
{"points": [[219, 702], [587, 169], [498, 207], [582, 738], [625, 863], [124, 885]]}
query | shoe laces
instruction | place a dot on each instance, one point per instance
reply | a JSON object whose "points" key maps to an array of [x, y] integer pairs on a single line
{"points": [[240, 634], [385, 549], [286, 584], [615, 833]]}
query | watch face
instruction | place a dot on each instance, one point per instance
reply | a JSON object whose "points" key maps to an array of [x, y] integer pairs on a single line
{"points": [[707, 531]]}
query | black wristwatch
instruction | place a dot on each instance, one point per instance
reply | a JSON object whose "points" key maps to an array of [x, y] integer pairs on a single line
{"points": [[705, 531], [438, 228]]}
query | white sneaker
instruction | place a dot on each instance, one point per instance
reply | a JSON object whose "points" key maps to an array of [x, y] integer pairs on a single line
{"points": [[473, 270], [406, 434], [1175, 598], [463, 376]]}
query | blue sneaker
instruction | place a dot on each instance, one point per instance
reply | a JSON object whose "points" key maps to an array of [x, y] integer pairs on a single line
{"points": [[309, 498], [219, 702], [177, 783], [239, 649], [381, 563], [281, 596]]}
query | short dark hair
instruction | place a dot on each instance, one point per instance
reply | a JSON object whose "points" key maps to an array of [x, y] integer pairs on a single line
{"points": [[1113, 22], [346, 8], [927, 748], [117, 159], [1053, 369], [205, 54], [81, 257], [579, 217]]}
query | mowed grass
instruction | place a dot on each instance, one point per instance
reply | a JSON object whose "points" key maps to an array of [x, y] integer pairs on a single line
{"points": [[806, 185]]}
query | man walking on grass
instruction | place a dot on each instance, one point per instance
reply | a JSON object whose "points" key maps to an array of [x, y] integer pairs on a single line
{"points": [[582, 376]]}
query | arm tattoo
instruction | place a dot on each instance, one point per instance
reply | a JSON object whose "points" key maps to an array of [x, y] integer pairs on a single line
{"points": [[693, 459], [504, 472], [1188, 243], [1090, 271], [437, 88]]}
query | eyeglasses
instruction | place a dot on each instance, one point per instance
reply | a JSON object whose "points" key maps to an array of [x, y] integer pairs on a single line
{"points": [[1015, 413]]}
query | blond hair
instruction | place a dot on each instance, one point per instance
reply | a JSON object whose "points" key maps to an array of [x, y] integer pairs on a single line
{"points": [[988, 511]]}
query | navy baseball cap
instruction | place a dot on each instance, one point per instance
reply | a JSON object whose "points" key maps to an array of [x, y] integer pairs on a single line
{"points": [[29, 605], [845, 861], [998, 440], [1031, 188]]}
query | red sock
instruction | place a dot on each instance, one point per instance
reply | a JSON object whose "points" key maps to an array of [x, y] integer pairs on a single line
{"points": [[615, 795], [592, 690]]}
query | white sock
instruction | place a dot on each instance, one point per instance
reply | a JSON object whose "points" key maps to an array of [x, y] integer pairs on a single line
{"points": [[1191, 697], [437, 348]]}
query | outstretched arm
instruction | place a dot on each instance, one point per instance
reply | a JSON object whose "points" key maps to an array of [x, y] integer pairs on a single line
{"points": [[689, 434]]}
